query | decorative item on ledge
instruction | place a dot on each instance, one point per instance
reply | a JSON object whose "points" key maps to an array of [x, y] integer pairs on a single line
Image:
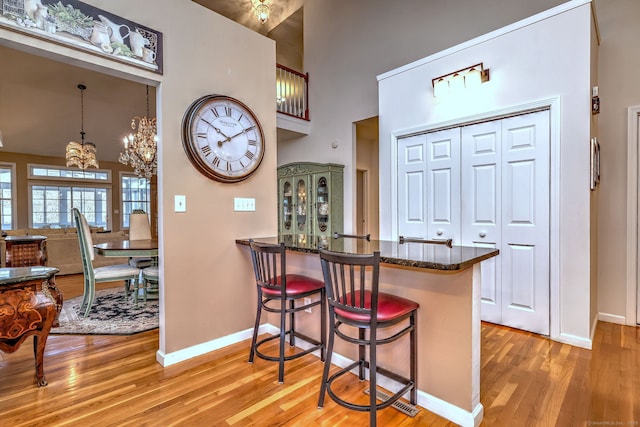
{"points": [[261, 9], [82, 154], [467, 77], [140, 149]]}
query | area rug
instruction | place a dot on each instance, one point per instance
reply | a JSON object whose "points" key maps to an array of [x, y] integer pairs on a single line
{"points": [[110, 315]]}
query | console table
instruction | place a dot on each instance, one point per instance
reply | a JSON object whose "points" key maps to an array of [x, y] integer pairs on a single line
{"points": [[30, 304], [23, 251]]}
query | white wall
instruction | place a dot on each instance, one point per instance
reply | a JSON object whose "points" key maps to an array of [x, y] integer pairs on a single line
{"points": [[542, 60], [348, 43]]}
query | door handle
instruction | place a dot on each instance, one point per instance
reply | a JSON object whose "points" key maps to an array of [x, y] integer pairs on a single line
{"points": [[482, 234], [439, 232]]}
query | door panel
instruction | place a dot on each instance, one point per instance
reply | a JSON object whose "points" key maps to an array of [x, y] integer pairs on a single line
{"points": [[525, 228], [412, 181], [443, 182], [481, 207]]}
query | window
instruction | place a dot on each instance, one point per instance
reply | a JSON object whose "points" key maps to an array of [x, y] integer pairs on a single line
{"points": [[136, 194], [7, 181], [62, 173], [51, 205], [55, 190]]}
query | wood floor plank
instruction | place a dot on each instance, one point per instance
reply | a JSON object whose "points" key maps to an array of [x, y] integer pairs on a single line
{"points": [[109, 381]]}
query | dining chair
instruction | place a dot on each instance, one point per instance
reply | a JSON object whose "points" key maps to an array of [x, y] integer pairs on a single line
{"points": [[278, 292], [355, 307], [149, 275], [110, 273], [139, 229]]}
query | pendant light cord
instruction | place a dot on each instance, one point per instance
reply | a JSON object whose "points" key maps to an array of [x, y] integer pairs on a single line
{"points": [[82, 88]]}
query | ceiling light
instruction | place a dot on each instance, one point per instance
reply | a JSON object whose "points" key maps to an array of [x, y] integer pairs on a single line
{"points": [[261, 9], [81, 154], [141, 147]]}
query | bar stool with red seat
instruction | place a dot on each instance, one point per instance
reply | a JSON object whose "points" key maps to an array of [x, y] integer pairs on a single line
{"points": [[351, 284], [276, 286]]}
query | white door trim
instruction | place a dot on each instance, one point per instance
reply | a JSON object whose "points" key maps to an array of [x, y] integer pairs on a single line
{"points": [[633, 114], [553, 104]]}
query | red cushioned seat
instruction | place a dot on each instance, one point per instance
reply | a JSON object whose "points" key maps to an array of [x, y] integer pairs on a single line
{"points": [[389, 307], [296, 284]]}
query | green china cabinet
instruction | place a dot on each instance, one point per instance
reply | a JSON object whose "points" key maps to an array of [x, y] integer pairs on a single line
{"points": [[310, 198]]}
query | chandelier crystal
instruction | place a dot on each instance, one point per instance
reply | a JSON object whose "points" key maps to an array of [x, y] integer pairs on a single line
{"points": [[261, 9], [81, 154], [140, 147]]}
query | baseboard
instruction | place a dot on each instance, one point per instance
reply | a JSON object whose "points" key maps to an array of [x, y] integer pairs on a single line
{"points": [[207, 347], [574, 340], [612, 318]]}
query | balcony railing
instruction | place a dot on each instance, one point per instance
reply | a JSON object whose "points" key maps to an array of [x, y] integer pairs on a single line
{"points": [[292, 92]]}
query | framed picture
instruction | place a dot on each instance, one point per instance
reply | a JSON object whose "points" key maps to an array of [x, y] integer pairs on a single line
{"points": [[86, 28], [595, 163]]}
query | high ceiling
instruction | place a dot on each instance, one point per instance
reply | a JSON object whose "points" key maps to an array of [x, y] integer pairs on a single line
{"points": [[40, 102], [241, 11]]}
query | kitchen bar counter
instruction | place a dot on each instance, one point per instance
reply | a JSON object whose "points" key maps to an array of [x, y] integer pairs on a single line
{"points": [[446, 283], [409, 254]]}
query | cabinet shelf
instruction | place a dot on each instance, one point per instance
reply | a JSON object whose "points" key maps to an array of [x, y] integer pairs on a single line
{"points": [[315, 190]]}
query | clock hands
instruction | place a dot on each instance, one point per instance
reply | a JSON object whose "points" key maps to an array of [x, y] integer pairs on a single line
{"points": [[241, 132], [229, 138]]}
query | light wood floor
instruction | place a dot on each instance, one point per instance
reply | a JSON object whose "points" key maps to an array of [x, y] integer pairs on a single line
{"points": [[526, 380]]}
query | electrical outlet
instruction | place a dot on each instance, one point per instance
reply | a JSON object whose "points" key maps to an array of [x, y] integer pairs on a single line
{"points": [[307, 301]]}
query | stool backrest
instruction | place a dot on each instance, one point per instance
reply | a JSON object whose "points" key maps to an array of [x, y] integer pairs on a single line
{"points": [[351, 283], [269, 262]]}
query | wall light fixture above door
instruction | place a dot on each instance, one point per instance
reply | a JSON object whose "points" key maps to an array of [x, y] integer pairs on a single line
{"points": [[456, 81]]}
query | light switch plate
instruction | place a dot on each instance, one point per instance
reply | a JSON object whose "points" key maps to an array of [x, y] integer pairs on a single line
{"points": [[244, 204], [180, 203]]}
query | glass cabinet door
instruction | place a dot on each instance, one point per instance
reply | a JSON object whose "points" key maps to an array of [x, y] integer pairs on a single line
{"points": [[322, 204], [287, 206], [301, 205]]}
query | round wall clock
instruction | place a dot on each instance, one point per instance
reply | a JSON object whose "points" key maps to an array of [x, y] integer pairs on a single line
{"points": [[222, 137]]}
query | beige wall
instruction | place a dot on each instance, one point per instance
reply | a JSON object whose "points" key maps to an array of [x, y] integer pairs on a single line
{"points": [[206, 290], [619, 89], [367, 159], [22, 186]]}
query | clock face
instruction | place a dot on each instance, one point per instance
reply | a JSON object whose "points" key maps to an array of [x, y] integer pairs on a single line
{"points": [[222, 138]]}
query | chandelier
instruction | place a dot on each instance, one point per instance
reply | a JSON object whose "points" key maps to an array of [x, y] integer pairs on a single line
{"points": [[140, 147], [261, 9], [81, 154]]}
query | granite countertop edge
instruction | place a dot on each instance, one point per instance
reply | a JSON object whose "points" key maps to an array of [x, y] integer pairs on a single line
{"points": [[411, 263]]}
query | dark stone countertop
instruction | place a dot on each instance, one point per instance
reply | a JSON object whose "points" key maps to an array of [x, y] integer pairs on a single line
{"points": [[408, 254], [10, 275]]}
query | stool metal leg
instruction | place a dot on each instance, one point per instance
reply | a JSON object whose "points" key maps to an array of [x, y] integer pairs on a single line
{"points": [[327, 362], [255, 328]]}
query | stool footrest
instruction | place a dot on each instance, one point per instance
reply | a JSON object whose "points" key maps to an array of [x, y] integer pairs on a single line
{"points": [[407, 385], [316, 345]]}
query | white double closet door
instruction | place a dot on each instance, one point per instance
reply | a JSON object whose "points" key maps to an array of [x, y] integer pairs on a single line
{"points": [[486, 185]]}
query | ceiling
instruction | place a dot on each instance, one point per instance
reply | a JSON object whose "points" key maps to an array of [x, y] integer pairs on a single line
{"points": [[241, 11], [40, 102]]}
